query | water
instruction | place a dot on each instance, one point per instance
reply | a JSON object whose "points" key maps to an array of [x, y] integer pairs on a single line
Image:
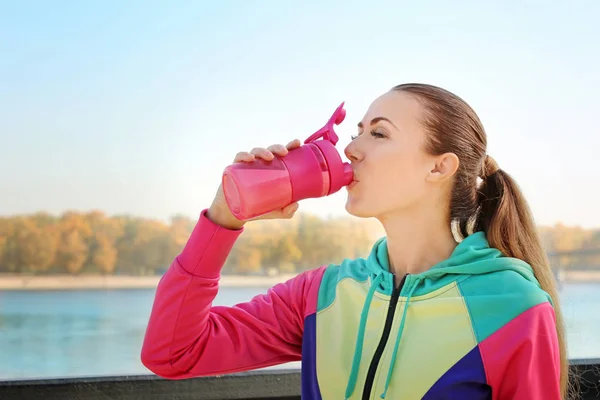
{"points": [[98, 333]]}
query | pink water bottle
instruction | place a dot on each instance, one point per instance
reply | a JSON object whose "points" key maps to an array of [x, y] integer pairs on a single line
{"points": [[312, 170]]}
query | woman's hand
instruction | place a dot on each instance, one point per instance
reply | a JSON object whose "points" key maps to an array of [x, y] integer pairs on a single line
{"points": [[219, 211]]}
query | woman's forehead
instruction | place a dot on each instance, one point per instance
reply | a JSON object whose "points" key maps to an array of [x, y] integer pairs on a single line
{"points": [[400, 108]]}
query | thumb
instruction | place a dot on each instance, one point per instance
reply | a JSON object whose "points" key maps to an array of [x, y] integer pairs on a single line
{"points": [[290, 210]]}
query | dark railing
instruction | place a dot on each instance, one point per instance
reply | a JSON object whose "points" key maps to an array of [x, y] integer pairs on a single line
{"points": [[264, 384]]}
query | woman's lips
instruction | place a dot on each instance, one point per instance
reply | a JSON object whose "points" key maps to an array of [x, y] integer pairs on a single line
{"points": [[352, 184]]}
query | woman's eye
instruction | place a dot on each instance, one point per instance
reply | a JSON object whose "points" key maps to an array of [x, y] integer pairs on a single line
{"points": [[375, 134]]}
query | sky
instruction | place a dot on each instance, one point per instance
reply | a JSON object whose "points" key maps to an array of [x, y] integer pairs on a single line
{"points": [[137, 106]]}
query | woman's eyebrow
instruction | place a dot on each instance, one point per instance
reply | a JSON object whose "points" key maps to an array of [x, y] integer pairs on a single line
{"points": [[377, 119]]}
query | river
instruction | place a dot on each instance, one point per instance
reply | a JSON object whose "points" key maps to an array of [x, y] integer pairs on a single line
{"points": [[45, 334]]}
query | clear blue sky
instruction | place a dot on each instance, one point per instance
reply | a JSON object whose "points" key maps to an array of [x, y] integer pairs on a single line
{"points": [[137, 106]]}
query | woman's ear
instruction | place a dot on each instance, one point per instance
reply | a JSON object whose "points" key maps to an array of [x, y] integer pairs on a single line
{"points": [[444, 167]]}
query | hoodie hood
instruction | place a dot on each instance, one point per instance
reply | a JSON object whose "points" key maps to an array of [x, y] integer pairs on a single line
{"points": [[472, 256]]}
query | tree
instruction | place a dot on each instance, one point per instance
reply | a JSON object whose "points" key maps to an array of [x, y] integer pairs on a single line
{"points": [[93, 242], [29, 249], [104, 254]]}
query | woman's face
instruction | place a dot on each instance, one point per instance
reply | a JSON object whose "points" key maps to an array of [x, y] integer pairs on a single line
{"points": [[392, 171]]}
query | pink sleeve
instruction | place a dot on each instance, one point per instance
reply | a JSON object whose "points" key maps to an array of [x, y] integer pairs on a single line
{"points": [[186, 336], [522, 359]]}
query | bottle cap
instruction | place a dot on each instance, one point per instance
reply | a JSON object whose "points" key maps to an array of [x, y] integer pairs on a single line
{"points": [[327, 132]]}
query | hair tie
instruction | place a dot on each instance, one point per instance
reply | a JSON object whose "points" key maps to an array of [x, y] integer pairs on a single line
{"points": [[490, 167]]}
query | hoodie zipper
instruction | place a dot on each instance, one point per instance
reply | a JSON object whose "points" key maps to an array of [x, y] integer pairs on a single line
{"points": [[389, 319]]}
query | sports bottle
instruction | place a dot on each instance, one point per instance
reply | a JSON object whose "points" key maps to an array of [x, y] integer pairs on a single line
{"points": [[312, 170]]}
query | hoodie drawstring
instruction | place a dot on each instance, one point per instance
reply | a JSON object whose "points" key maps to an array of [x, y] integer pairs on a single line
{"points": [[360, 337], [400, 329]]}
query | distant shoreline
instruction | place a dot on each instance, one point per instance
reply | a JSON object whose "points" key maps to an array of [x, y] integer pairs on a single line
{"points": [[69, 282], [579, 276]]}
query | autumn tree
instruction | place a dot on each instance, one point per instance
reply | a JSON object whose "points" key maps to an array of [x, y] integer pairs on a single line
{"points": [[95, 243], [101, 243], [29, 248], [74, 232]]}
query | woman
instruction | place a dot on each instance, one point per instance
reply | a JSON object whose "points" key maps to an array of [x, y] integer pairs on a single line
{"points": [[457, 301]]}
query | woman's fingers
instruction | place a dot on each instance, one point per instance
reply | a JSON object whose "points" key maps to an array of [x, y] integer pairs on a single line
{"points": [[285, 213], [293, 144], [243, 156], [278, 149], [262, 153], [267, 154]]}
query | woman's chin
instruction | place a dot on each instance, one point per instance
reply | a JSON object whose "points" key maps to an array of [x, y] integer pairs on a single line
{"points": [[354, 208]]}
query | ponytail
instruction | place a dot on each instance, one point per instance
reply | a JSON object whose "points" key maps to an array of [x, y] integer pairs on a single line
{"points": [[506, 219]]}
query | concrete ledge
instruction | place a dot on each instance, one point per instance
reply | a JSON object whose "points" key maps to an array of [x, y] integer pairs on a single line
{"points": [[264, 384], [280, 385]]}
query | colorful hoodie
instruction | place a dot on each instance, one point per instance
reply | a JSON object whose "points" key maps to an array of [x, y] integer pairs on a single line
{"points": [[475, 326]]}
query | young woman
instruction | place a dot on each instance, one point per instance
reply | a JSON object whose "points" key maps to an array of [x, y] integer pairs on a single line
{"points": [[457, 301]]}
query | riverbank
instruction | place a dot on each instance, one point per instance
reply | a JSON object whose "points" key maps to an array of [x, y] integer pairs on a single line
{"points": [[68, 282], [579, 276]]}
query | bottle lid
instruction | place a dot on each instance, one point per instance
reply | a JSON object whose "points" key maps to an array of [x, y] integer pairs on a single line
{"points": [[327, 132]]}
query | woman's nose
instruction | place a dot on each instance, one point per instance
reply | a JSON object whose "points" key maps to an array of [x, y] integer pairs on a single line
{"points": [[351, 152]]}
